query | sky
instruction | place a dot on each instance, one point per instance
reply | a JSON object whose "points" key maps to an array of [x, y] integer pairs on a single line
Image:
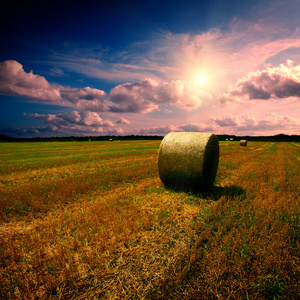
{"points": [[93, 68]]}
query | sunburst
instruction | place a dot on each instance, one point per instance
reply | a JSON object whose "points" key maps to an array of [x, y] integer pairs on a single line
{"points": [[201, 78]]}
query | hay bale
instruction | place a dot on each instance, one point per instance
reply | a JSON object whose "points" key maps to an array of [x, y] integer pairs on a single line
{"points": [[188, 160], [231, 139], [243, 142]]}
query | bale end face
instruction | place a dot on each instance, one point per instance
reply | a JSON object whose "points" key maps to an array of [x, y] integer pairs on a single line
{"points": [[188, 160]]}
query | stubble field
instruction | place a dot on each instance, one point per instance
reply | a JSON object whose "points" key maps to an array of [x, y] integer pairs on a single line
{"points": [[92, 220]]}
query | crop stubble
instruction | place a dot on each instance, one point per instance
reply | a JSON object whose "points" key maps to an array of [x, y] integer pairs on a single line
{"points": [[93, 220]]}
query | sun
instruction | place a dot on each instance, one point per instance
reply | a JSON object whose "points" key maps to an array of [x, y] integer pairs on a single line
{"points": [[201, 78]]}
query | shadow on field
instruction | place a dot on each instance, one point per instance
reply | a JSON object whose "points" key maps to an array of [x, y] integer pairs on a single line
{"points": [[215, 192]]}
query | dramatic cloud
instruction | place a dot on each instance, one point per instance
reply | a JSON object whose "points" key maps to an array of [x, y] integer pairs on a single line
{"points": [[141, 97], [272, 83], [75, 122], [15, 81], [146, 96]]}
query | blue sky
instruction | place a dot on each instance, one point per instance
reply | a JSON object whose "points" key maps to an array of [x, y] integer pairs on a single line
{"points": [[129, 67]]}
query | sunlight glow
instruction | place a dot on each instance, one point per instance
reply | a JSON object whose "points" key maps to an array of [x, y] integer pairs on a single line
{"points": [[201, 79]]}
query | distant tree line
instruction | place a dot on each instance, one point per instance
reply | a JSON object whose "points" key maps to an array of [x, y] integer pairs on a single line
{"points": [[274, 138], [4, 138], [222, 137]]}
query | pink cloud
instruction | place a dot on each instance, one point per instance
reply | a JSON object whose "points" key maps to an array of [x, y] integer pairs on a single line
{"points": [[193, 127], [226, 120], [146, 96], [123, 121], [134, 97], [242, 124], [159, 130], [15, 81], [198, 127], [87, 98], [271, 83], [272, 121]]}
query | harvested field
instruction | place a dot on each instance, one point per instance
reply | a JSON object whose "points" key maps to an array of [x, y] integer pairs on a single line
{"points": [[92, 220]]}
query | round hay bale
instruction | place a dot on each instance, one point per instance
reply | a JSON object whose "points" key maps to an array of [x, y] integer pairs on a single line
{"points": [[243, 142], [188, 160]]}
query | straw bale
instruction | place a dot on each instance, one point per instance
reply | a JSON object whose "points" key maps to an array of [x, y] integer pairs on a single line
{"points": [[188, 160], [243, 142]]}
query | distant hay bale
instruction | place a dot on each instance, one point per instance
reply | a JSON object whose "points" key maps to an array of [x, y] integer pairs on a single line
{"points": [[231, 139], [243, 142], [226, 139], [188, 160], [111, 140]]}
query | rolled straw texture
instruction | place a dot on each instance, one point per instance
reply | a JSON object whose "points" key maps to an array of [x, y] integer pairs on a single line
{"points": [[243, 142], [188, 160]]}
